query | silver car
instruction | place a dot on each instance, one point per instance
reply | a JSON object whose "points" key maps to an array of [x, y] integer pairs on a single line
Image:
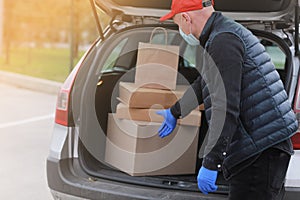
{"points": [[76, 168]]}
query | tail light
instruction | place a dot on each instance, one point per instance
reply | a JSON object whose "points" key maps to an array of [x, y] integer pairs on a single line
{"points": [[63, 115], [296, 137], [296, 140]]}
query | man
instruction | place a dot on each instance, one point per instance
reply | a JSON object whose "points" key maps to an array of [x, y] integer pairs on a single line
{"points": [[253, 147]]}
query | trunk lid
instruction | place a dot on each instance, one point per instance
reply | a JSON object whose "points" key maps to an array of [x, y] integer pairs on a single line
{"points": [[266, 10], [271, 14]]}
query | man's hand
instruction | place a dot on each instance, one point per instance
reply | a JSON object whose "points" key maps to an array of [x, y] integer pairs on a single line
{"points": [[168, 124], [207, 180]]}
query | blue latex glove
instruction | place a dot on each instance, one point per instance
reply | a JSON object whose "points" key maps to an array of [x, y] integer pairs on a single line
{"points": [[207, 180], [168, 124]]}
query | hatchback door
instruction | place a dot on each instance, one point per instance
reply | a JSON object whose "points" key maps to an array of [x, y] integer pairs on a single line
{"points": [[266, 10]]}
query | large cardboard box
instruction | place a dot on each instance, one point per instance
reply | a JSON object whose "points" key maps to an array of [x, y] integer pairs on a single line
{"points": [[135, 148], [136, 97], [149, 115]]}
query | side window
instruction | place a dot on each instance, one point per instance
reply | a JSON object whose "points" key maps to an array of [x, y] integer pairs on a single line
{"points": [[189, 56], [189, 52], [159, 37], [123, 57], [278, 57], [112, 58]]}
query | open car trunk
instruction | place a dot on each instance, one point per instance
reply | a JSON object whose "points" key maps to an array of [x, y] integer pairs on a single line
{"points": [[95, 96], [122, 68]]}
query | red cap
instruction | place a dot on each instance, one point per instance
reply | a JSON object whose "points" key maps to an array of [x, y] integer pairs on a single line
{"points": [[179, 6]]}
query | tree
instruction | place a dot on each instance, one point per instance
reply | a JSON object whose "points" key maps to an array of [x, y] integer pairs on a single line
{"points": [[48, 21], [8, 28]]}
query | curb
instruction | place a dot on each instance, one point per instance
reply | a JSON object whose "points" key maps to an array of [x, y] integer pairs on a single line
{"points": [[31, 83]]}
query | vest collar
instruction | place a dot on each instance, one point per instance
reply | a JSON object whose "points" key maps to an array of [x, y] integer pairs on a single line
{"points": [[208, 28]]}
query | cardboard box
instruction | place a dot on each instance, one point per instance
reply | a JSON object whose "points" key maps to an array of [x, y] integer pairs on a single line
{"points": [[137, 97], [149, 115], [135, 148], [201, 107]]}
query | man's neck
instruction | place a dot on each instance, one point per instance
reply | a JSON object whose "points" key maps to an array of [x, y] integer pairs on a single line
{"points": [[200, 18]]}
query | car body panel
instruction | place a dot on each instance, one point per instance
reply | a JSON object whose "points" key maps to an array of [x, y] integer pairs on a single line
{"points": [[293, 173], [64, 179], [291, 193], [58, 149]]}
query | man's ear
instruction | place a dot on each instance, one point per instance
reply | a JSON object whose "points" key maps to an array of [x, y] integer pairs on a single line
{"points": [[185, 17]]}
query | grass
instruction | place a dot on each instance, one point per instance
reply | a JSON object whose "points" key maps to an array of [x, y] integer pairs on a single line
{"points": [[47, 63]]}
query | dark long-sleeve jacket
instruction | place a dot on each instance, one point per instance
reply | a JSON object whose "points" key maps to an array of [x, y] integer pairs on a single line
{"points": [[246, 106]]}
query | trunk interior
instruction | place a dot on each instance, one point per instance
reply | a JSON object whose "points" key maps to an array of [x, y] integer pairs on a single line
{"points": [[104, 105], [98, 169]]}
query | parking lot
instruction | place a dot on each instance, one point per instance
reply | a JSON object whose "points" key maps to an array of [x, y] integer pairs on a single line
{"points": [[26, 122]]}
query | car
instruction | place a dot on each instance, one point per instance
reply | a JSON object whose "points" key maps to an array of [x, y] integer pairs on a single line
{"points": [[75, 165]]}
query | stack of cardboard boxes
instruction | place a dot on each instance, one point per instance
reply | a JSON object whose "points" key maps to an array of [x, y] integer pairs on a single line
{"points": [[133, 145]]}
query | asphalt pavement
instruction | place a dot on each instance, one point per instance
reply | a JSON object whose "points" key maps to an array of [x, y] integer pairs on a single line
{"points": [[26, 123]]}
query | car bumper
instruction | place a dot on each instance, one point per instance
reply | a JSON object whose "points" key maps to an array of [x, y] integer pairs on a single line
{"points": [[292, 183], [67, 183], [291, 193], [67, 180]]}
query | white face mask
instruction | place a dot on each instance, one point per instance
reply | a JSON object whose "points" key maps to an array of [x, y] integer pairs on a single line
{"points": [[189, 38]]}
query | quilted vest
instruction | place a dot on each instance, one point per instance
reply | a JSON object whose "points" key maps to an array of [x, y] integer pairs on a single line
{"points": [[266, 117]]}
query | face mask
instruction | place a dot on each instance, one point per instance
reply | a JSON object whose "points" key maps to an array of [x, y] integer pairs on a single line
{"points": [[189, 38]]}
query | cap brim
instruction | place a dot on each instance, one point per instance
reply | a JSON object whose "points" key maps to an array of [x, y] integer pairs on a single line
{"points": [[167, 16]]}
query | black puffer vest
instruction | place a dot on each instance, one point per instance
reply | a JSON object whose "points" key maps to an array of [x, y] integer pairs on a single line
{"points": [[266, 117]]}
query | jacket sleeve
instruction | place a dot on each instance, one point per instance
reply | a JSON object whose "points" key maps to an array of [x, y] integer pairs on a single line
{"points": [[227, 52], [189, 101]]}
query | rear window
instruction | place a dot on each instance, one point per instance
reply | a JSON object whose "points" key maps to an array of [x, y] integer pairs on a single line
{"points": [[278, 57], [113, 56]]}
